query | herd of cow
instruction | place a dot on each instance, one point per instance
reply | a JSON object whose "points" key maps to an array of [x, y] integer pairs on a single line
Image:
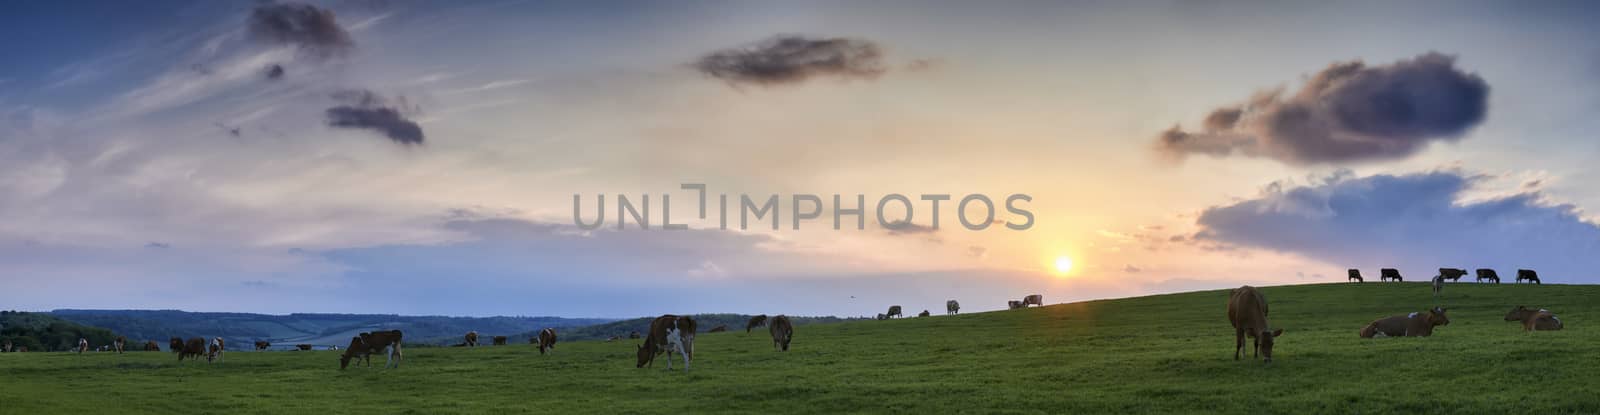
{"points": [[953, 307], [1452, 274]]}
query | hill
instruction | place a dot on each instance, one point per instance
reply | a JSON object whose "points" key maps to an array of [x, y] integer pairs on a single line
{"points": [[283, 331], [1156, 354], [705, 322], [43, 332]]}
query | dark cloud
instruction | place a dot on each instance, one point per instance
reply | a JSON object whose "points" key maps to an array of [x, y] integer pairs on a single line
{"points": [[315, 31], [1347, 112], [1414, 222], [788, 59], [367, 110], [274, 72], [158, 245]]}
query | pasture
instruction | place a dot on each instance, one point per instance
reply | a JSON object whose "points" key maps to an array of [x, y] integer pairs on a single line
{"points": [[1156, 354]]}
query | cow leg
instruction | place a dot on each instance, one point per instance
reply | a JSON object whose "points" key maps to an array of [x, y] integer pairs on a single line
{"points": [[669, 357], [1238, 342], [1255, 347]]}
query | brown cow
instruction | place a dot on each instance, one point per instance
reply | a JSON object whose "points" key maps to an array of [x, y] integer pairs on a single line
{"points": [[756, 321], [362, 347], [782, 332], [924, 313], [1452, 274], [1034, 299], [1247, 311], [83, 345], [175, 345], [152, 346], [1540, 319], [1418, 324], [262, 345], [1354, 275], [193, 348], [119, 343], [1528, 275], [215, 351], [669, 333], [1485, 274], [1388, 274], [633, 334], [499, 340], [719, 329], [302, 347], [547, 340], [472, 339]]}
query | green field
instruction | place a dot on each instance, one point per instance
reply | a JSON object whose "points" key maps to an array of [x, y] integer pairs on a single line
{"points": [[1161, 354]]}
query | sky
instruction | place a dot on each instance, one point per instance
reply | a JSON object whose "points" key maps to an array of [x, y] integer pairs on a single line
{"points": [[424, 157]]}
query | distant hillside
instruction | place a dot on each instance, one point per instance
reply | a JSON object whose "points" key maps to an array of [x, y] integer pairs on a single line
{"points": [[704, 323], [284, 331], [41, 332]]}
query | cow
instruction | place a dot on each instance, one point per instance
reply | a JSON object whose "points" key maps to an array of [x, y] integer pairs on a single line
{"points": [[472, 339], [894, 311], [613, 338], [22, 349], [1034, 299], [754, 322], [1247, 312], [1452, 274], [1355, 275], [1014, 304], [192, 348], [1488, 274], [83, 345], [262, 345], [633, 334], [882, 316], [547, 340], [499, 340], [668, 333], [782, 332], [924, 313], [1390, 274], [152, 346], [303, 347], [119, 343], [1438, 284], [1528, 275], [214, 353], [951, 307], [1418, 324], [175, 345], [363, 346], [719, 329], [5, 347], [1540, 319]]}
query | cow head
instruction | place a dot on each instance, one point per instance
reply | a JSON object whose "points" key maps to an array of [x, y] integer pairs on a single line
{"points": [[646, 352], [1436, 317], [1265, 339], [1517, 314]]}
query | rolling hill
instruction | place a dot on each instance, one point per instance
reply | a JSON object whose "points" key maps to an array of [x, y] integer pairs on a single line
{"points": [[1155, 354], [284, 331]]}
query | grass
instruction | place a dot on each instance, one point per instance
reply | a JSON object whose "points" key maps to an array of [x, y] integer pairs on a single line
{"points": [[1157, 354]]}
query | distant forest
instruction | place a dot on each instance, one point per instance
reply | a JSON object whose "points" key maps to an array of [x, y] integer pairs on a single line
{"points": [[41, 332]]}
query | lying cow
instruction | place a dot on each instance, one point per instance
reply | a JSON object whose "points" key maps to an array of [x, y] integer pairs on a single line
{"points": [[1247, 312], [782, 332], [152, 346], [364, 346], [668, 333], [303, 347], [1418, 324], [756, 321], [1014, 304], [547, 340], [1540, 319], [719, 328], [952, 307], [882, 316], [500, 340], [262, 345], [193, 348], [924, 313]]}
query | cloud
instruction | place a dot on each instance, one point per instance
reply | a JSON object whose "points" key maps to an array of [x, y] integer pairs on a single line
{"points": [[367, 110], [158, 245], [791, 59], [1131, 269], [313, 30], [275, 72], [1347, 112], [1416, 222]]}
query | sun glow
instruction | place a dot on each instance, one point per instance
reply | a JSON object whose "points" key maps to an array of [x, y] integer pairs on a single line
{"points": [[1063, 264]]}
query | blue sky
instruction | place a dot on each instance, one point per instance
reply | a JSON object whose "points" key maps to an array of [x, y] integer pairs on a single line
{"points": [[420, 157]]}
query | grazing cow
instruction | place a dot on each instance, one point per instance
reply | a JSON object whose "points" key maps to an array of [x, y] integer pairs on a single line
{"points": [[215, 352], [1438, 284], [1014, 304], [1389, 274], [1540, 319], [547, 340], [303, 347], [1488, 274], [668, 333], [472, 339], [175, 345], [894, 311], [719, 329], [1247, 311], [83, 345], [262, 345], [499, 340], [193, 348], [782, 332], [951, 307], [152, 346], [756, 321], [1034, 299], [1452, 274], [362, 347], [924, 313], [1528, 275], [1355, 275], [119, 343], [1419, 324]]}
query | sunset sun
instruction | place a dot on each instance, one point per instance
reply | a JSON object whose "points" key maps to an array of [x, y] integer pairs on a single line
{"points": [[1063, 264]]}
